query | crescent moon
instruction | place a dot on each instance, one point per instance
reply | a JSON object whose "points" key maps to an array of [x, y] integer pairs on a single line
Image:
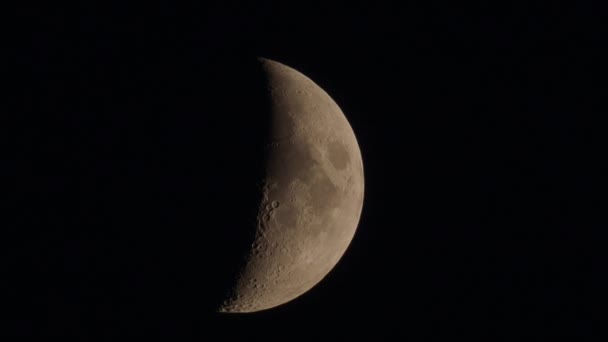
{"points": [[311, 199]]}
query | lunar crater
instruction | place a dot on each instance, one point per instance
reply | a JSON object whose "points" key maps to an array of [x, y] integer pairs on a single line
{"points": [[311, 198]]}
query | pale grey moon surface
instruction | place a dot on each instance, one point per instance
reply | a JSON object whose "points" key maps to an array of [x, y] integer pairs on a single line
{"points": [[312, 196]]}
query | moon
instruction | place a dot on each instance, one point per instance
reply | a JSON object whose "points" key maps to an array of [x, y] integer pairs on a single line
{"points": [[311, 198]]}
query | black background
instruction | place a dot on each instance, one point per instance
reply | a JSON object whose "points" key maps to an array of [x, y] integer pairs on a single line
{"points": [[134, 136]]}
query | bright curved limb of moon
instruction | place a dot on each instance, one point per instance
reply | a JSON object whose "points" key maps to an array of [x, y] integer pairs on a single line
{"points": [[312, 196]]}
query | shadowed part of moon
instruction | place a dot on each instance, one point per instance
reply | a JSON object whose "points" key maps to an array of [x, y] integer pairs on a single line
{"points": [[311, 198]]}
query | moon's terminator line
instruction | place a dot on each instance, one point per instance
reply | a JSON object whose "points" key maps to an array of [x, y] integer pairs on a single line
{"points": [[312, 196]]}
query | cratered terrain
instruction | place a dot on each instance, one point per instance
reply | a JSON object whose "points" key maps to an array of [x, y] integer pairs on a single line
{"points": [[312, 194]]}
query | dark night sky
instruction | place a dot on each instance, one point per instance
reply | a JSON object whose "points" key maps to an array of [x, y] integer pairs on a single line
{"points": [[479, 134]]}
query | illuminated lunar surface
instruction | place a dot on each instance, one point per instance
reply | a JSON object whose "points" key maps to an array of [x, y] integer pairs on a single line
{"points": [[311, 199]]}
